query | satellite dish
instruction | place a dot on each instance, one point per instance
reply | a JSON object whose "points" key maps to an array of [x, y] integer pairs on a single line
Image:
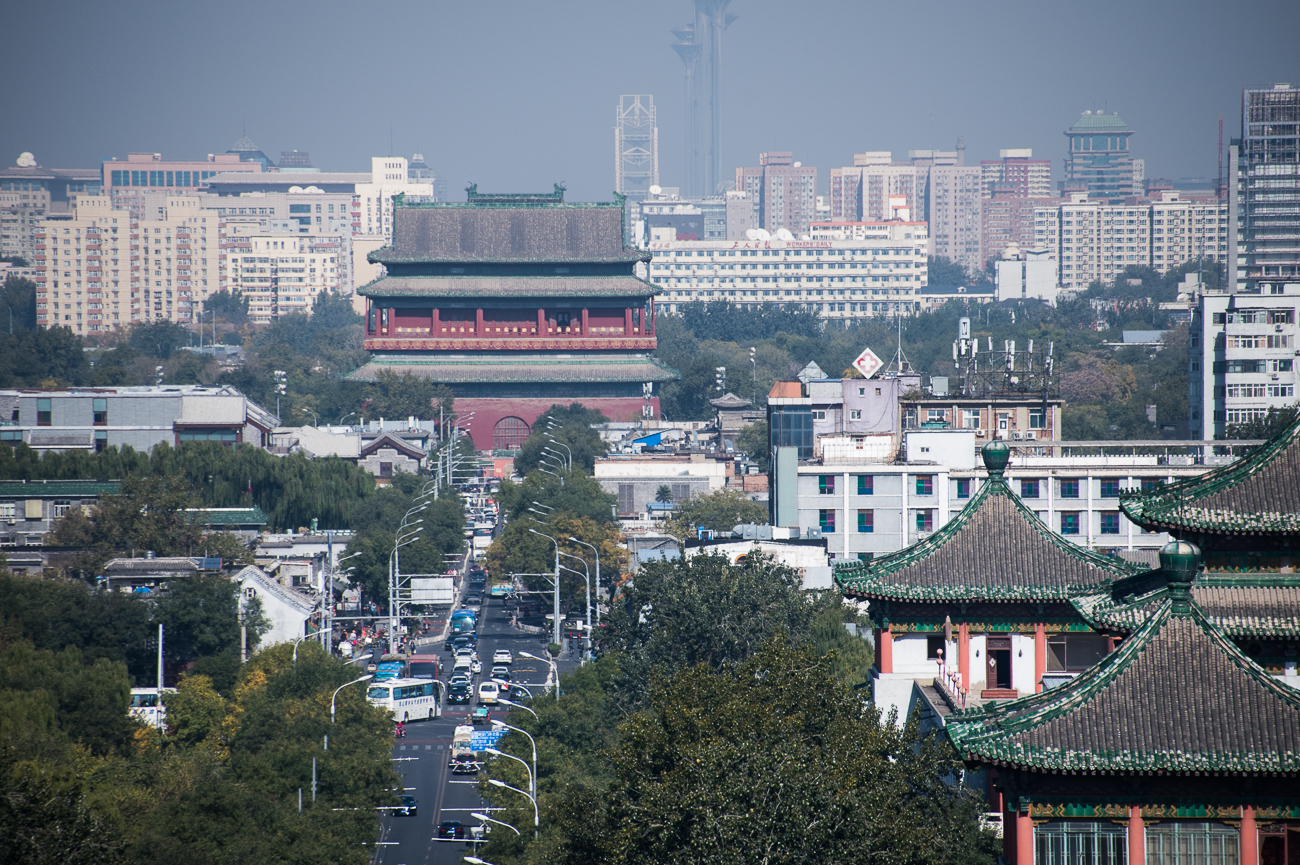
{"points": [[26, 160], [314, 189], [798, 165], [784, 234], [751, 234], [761, 234], [295, 189], [656, 190]]}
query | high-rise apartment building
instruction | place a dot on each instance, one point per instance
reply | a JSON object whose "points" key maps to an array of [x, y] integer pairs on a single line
{"points": [[30, 192], [953, 198], [1094, 241], [1098, 159], [784, 192], [282, 273], [1006, 220], [1016, 173], [1264, 192], [636, 146], [861, 192]]}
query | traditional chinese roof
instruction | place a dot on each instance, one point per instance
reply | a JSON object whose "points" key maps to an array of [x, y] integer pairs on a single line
{"points": [[510, 287], [508, 228], [517, 369], [1257, 495], [253, 516], [397, 444], [1176, 696], [994, 549], [58, 489], [1261, 605]]}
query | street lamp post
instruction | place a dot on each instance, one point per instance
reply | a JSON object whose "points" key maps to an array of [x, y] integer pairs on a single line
{"points": [[502, 725], [595, 550], [476, 815], [537, 817], [586, 573], [555, 669], [340, 688], [563, 445], [532, 782], [555, 625]]}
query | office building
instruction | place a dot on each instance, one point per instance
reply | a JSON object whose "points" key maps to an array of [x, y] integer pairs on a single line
{"points": [[845, 271], [516, 302], [1241, 356], [1094, 240], [723, 217], [1264, 192], [1098, 160], [783, 192], [636, 146], [953, 196], [93, 419], [1016, 173], [127, 181], [30, 192]]}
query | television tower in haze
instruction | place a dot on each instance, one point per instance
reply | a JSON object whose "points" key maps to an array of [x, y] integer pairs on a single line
{"points": [[699, 45]]}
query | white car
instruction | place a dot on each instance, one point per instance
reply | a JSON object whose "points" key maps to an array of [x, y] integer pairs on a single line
{"points": [[476, 666], [502, 656], [488, 692]]}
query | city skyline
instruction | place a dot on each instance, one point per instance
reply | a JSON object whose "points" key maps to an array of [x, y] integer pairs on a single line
{"points": [[788, 85]]}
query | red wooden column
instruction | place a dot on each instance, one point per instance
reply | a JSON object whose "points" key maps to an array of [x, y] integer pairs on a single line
{"points": [[541, 321], [1137, 836], [963, 653], [1040, 655], [584, 321], [1249, 837], [627, 321], [885, 648], [1025, 839], [435, 322], [478, 322]]}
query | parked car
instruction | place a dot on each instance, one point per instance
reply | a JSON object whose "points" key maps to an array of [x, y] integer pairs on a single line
{"points": [[408, 807]]}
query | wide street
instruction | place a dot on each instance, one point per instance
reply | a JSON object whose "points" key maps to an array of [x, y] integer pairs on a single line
{"points": [[421, 757]]}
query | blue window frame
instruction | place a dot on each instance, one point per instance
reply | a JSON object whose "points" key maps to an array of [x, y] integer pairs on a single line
{"points": [[1110, 522], [866, 485], [1029, 489], [1069, 522], [1069, 489], [826, 519]]}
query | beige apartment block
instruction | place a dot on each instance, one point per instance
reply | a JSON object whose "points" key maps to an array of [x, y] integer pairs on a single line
{"points": [[282, 273]]}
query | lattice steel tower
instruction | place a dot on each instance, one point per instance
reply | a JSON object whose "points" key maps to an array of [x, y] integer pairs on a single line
{"points": [[636, 146]]}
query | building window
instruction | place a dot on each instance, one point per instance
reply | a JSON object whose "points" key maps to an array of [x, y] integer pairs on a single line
{"points": [[1082, 842], [626, 500], [934, 648], [1150, 485], [43, 412], [1069, 522], [963, 488], [1069, 489], [1180, 842], [925, 520], [101, 441], [866, 485], [826, 519], [101, 412], [61, 507], [1036, 419], [970, 418], [1110, 522], [1110, 489], [855, 414], [925, 485], [385, 470], [866, 522], [509, 433], [826, 485], [1029, 489]]}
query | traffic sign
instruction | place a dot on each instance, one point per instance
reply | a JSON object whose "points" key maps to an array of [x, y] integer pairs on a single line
{"points": [[481, 740], [867, 363]]}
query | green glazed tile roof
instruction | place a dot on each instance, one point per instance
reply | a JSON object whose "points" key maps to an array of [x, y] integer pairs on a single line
{"points": [[994, 549], [58, 489], [1261, 605], [1176, 696], [1258, 494], [232, 516], [516, 369], [1099, 122], [513, 287]]}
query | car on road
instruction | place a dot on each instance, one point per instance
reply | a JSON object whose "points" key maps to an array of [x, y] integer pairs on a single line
{"points": [[372, 667], [500, 672], [488, 692], [460, 679], [408, 807], [474, 601], [465, 764], [480, 715], [459, 693], [451, 829], [502, 656], [476, 666]]}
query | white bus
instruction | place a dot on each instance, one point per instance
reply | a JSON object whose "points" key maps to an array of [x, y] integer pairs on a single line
{"points": [[406, 699], [147, 705]]}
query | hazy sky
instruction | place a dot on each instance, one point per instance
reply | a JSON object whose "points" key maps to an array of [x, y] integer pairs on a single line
{"points": [[515, 95]]}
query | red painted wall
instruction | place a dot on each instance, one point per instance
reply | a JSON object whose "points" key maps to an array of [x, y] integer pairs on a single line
{"points": [[487, 411]]}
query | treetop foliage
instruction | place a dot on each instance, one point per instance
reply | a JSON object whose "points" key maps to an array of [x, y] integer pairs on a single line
{"points": [[571, 426]]}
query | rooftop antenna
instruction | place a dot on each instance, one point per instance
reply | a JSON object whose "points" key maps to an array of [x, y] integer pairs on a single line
{"points": [[900, 363]]}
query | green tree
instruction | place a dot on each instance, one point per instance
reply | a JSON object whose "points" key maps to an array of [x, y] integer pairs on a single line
{"points": [[42, 357], [664, 494], [159, 339], [944, 271], [230, 306], [18, 297], [408, 395], [754, 442], [720, 510], [1274, 422], [571, 426]]}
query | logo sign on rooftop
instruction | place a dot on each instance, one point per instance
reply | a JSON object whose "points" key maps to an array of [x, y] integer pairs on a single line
{"points": [[483, 739], [867, 363]]}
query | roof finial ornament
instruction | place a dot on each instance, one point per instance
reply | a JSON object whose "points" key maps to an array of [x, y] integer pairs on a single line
{"points": [[1180, 561], [996, 455]]}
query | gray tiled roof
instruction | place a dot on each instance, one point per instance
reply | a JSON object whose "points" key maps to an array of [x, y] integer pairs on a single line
{"points": [[561, 232], [517, 370], [995, 549], [514, 287], [1177, 696]]}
